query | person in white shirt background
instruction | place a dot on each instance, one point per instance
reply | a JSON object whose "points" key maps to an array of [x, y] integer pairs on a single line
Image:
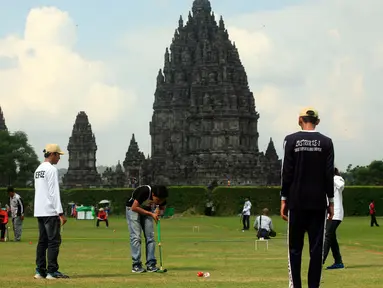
{"points": [[49, 213], [264, 225], [331, 240], [246, 214]]}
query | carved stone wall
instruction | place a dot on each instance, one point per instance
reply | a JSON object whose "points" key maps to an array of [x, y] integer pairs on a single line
{"points": [[204, 125], [133, 164], [82, 171]]}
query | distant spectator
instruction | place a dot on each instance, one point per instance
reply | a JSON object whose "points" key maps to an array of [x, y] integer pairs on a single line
{"points": [[372, 214], [3, 223], [17, 212], [246, 214], [264, 225], [102, 217]]}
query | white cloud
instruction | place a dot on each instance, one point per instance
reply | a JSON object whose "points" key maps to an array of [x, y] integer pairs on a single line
{"points": [[50, 78], [324, 53]]}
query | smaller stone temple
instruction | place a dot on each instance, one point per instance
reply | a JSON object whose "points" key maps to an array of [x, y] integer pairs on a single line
{"points": [[133, 164], [114, 178], [82, 171], [273, 165], [3, 127]]}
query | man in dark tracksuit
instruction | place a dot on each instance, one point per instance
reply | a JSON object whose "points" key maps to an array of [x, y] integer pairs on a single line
{"points": [[307, 178]]}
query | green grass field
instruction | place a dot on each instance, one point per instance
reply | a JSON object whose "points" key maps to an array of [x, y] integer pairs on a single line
{"points": [[101, 257]]}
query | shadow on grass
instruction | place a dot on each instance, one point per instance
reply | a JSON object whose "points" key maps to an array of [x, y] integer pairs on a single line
{"points": [[80, 276], [364, 266], [183, 268]]}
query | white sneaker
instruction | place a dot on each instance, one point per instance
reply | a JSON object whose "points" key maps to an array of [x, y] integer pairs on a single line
{"points": [[38, 276]]}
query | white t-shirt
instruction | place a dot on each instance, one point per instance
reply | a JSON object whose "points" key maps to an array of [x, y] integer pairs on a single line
{"points": [[266, 223], [246, 208], [16, 203], [47, 191], [338, 198]]}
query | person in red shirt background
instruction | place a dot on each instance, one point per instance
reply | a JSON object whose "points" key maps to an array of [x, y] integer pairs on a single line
{"points": [[102, 216], [372, 214], [3, 223]]}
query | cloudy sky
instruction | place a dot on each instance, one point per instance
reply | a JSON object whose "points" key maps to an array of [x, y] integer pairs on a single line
{"points": [[61, 57]]}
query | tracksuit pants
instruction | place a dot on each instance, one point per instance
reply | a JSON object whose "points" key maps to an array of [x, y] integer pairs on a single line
{"points": [[331, 242], [246, 222], [300, 222], [373, 220]]}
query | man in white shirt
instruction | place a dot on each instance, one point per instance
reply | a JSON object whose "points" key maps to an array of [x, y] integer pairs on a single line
{"points": [[264, 225], [246, 214], [49, 213], [333, 224], [17, 211]]}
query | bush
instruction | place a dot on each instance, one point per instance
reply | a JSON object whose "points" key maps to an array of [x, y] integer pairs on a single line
{"points": [[181, 198], [227, 200], [357, 198], [230, 200]]}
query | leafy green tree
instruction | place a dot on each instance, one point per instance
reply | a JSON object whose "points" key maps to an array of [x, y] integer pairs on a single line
{"points": [[371, 174], [18, 159]]}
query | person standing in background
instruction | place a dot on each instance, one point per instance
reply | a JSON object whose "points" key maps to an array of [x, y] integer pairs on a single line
{"points": [[371, 207], [246, 214], [332, 224], [17, 212]]}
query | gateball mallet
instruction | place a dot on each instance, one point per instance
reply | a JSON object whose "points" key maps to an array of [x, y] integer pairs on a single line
{"points": [[161, 270]]}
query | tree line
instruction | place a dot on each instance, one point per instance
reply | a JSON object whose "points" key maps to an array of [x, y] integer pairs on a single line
{"points": [[18, 161], [369, 175]]}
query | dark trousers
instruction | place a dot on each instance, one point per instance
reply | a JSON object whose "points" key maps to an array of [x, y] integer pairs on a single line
{"points": [[208, 211], [300, 222], [331, 242], [263, 233], [3, 227], [106, 222], [246, 222], [49, 241], [373, 220]]}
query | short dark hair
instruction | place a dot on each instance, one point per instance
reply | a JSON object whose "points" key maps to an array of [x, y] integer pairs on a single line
{"points": [[46, 154], [336, 172], [310, 119], [160, 191], [10, 189]]}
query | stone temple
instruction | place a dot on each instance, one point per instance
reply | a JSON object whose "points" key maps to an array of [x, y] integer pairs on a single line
{"points": [[82, 171], [3, 127], [133, 163], [205, 125]]}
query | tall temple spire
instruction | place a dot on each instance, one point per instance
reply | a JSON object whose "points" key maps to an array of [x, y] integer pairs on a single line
{"points": [[204, 109], [201, 6], [3, 127], [271, 153]]}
